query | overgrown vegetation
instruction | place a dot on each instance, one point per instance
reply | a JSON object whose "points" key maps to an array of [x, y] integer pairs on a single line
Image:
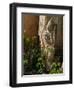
{"points": [[34, 58]]}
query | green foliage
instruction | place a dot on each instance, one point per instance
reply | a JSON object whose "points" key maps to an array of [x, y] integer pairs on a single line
{"points": [[50, 49], [56, 68], [25, 61], [34, 58], [40, 65], [32, 55]]}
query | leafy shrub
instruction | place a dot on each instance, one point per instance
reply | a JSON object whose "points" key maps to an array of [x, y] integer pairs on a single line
{"points": [[34, 58], [56, 68]]}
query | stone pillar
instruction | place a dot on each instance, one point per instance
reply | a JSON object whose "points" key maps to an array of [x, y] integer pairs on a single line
{"points": [[45, 34], [51, 25]]}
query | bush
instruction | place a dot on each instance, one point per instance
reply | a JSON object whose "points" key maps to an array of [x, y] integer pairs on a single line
{"points": [[34, 58], [56, 68]]}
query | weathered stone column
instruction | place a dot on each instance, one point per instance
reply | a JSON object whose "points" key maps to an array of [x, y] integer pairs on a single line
{"points": [[46, 31], [50, 33]]}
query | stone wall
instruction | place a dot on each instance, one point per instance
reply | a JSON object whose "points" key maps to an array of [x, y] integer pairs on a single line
{"points": [[31, 23]]}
